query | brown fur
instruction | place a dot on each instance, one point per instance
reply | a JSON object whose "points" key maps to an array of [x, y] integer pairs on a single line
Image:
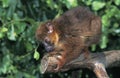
{"points": [[73, 33]]}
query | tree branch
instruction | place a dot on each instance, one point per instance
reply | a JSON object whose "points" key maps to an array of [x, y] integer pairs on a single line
{"points": [[97, 62]]}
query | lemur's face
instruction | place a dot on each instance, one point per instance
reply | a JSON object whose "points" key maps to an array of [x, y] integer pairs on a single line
{"points": [[47, 35]]}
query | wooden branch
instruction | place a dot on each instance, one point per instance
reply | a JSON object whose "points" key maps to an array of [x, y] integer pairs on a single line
{"points": [[97, 62]]}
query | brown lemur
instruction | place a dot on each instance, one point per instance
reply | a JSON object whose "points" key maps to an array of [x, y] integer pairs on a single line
{"points": [[70, 34]]}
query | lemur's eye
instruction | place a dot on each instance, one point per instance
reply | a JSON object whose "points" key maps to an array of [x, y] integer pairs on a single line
{"points": [[47, 39]]}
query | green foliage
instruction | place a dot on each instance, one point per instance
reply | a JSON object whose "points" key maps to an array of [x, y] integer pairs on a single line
{"points": [[36, 55], [96, 5], [20, 18]]}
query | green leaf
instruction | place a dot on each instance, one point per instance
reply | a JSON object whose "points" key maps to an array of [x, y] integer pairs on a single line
{"points": [[87, 2], [36, 54], [11, 34], [3, 29], [96, 5], [104, 42], [29, 46], [117, 2], [105, 20], [20, 27], [70, 3], [5, 3], [51, 3], [112, 11], [1, 35], [11, 9], [93, 47]]}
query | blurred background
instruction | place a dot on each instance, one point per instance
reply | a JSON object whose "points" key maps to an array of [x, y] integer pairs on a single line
{"points": [[19, 20]]}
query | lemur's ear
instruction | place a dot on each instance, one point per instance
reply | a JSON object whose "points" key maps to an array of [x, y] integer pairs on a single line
{"points": [[49, 27]]}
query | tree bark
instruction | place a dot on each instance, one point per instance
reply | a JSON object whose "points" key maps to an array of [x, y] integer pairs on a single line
{"points": [[97, 62]]}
